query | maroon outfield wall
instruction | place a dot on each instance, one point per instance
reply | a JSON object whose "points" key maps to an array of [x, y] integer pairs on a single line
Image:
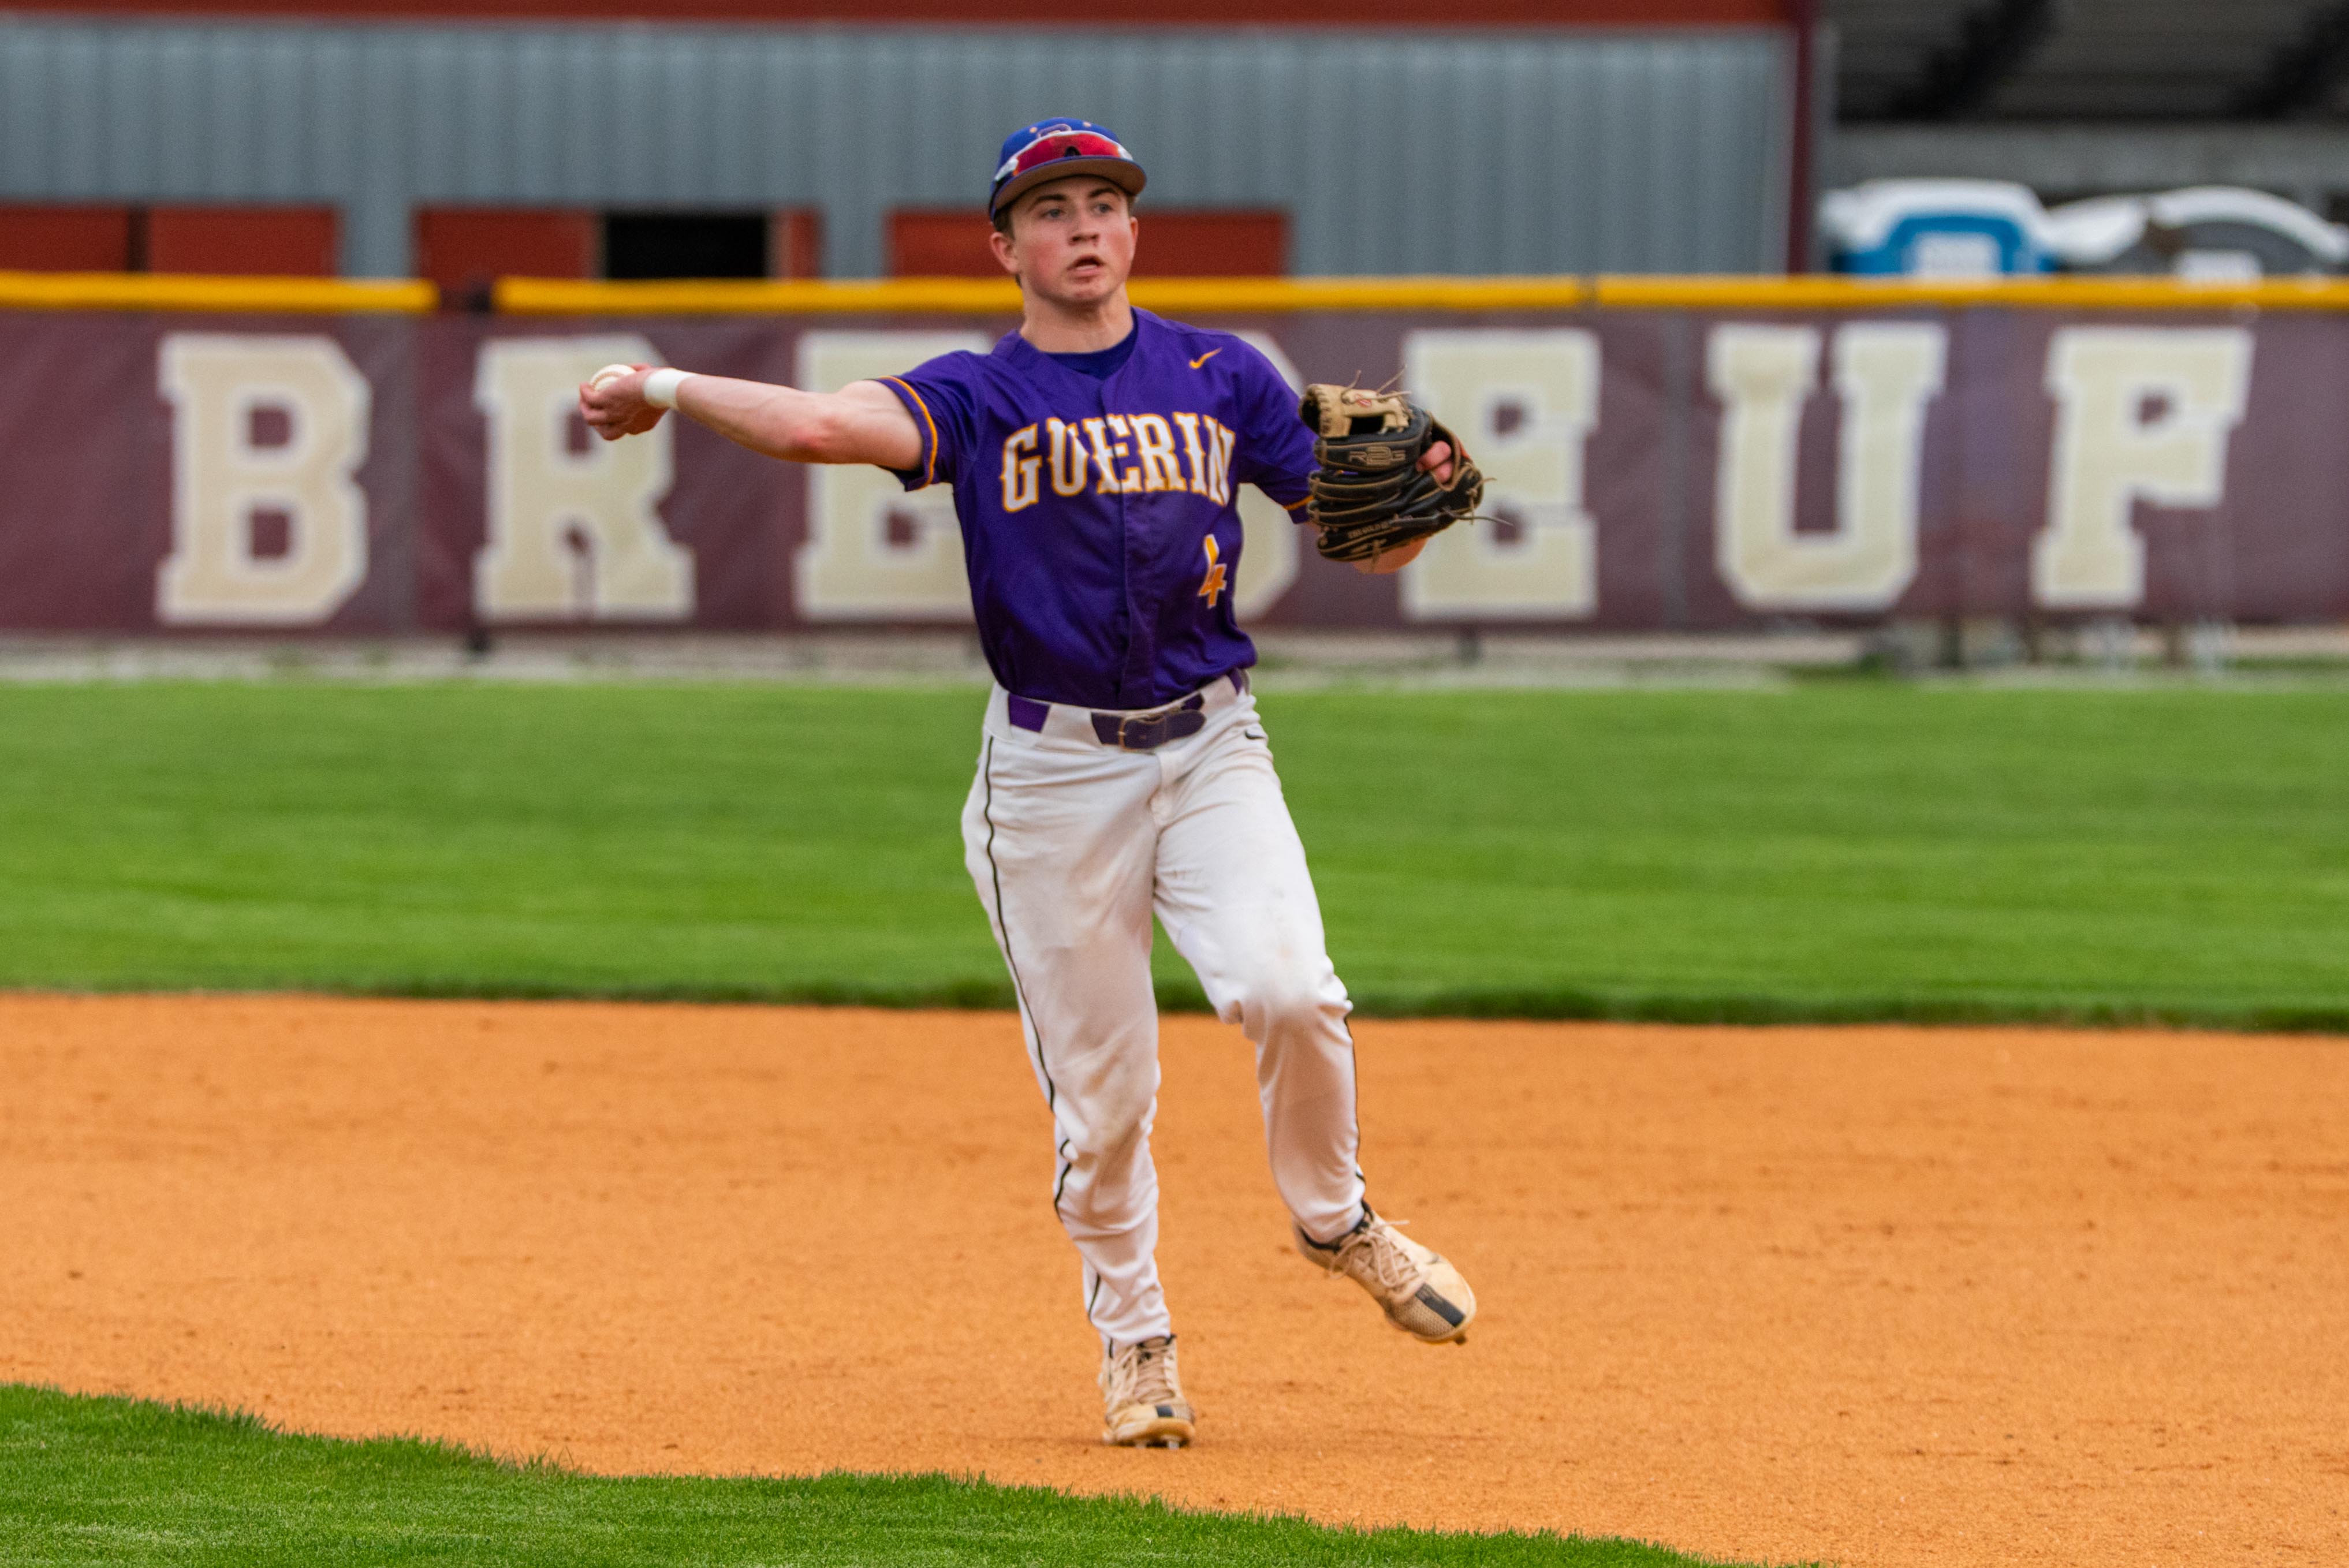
{"points": [[1652, 470]]}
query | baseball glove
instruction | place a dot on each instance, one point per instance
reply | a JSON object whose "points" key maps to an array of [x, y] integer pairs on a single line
{"points": [[1371, 494]]}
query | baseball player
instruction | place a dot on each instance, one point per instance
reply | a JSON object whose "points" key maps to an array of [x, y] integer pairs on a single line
{"points": [[1122, 769]]}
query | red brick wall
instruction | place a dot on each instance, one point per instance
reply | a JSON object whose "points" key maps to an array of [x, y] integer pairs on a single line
{"points": [[951, 242], [62, 239], [283, 242], [464, 247]]}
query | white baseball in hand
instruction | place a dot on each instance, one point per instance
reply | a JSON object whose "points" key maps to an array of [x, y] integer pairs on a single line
{"points": [[609, 372]]}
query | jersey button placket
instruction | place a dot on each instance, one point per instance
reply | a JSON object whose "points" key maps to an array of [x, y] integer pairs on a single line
{"points": [[1122, 631], [1142, 651], [1141, 646]]}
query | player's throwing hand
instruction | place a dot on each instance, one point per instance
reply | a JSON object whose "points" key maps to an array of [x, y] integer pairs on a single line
{"points": [[613, 402]]}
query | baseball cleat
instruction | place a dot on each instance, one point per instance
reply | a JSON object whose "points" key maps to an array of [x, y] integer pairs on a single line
{"points": [[1142, 1396], [1421, 1293]]}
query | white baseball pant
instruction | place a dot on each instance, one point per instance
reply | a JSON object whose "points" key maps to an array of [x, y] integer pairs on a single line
{"points": [[1073, 843]]}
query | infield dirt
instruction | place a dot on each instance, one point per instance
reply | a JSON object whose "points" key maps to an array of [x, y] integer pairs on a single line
{"points": [[1873, 1295]]}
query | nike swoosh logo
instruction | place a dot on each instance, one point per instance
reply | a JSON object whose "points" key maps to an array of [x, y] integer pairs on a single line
{"points": [[1204, 358]]}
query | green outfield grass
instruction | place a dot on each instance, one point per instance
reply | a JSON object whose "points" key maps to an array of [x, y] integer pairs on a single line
{"points": [[1837, 850], [90, 1482]]}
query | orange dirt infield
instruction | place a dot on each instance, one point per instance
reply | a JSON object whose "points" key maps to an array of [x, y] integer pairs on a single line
{"points": [[1873, 1295]]}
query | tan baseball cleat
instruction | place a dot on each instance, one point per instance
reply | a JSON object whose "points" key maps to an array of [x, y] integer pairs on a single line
{"points": [[1142, 1396], [1421, 1293]]}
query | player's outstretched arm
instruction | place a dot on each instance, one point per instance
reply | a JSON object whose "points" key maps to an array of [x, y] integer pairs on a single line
{"points": [[861, 423]]}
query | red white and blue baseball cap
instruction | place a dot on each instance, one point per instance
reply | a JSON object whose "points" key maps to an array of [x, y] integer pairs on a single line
{"points": [[1054, 149]]}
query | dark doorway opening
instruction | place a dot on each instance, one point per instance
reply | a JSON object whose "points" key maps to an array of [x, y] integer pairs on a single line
{"points": [[686, 244]]}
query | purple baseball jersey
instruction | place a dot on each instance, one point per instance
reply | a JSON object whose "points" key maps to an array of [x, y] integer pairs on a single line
{"points": [[1097, 518]]}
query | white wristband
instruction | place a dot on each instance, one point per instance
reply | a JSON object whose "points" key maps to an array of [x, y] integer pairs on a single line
{"points": [[660, 386]]}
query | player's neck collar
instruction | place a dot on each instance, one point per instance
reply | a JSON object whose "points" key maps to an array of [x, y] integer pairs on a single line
{"points": [[1014, 346], [1133, 318]]}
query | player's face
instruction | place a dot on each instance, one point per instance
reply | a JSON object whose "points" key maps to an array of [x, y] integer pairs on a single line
{"points": [[1071, 241]]}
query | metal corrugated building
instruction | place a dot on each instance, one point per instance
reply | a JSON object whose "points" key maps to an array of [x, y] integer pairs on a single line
{"points": [[1510, 151]]}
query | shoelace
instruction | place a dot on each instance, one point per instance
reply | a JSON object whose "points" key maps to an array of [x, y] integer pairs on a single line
{"points": [[1398, 1273], [1141, 1375]]}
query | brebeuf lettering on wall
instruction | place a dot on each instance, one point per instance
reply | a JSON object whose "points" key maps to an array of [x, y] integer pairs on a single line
{"points": [[1649, 470]]}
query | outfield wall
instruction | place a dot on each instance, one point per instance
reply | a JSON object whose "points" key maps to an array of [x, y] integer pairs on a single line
{"points": [[192, 454]]}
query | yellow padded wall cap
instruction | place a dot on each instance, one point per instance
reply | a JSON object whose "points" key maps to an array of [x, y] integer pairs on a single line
{"points": [[989, 296], [1275, 296], [170, 290]]}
